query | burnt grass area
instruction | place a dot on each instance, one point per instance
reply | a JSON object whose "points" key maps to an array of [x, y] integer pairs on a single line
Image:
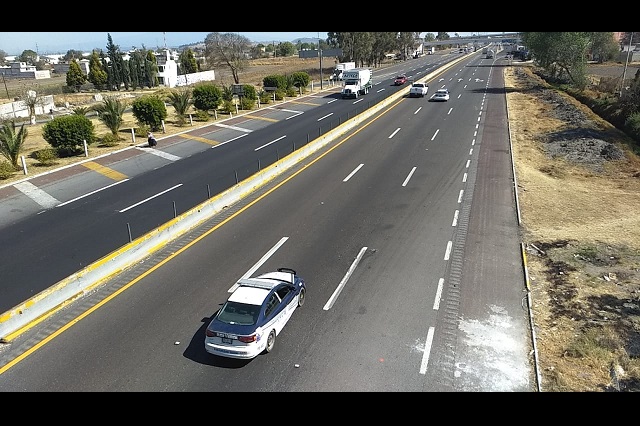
{"points": [[596, 287]]}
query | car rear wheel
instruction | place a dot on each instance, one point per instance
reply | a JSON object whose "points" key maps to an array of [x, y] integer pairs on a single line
{"points": [[301, 296], [271, 341]]}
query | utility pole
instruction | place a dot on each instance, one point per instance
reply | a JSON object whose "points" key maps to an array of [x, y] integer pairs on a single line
{"points": [[624, 73], [320, 53]]}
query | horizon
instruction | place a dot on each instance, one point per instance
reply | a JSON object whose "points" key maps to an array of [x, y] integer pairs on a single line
{"points": [[13, 44]]}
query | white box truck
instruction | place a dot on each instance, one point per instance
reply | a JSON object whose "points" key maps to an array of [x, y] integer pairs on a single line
{"points": [[356, 82], [340, 68]]}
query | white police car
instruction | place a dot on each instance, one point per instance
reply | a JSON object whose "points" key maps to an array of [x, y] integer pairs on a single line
{"points": [[254, 314]]}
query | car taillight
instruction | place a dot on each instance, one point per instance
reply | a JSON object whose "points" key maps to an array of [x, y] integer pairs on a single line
{"points": [[210, 333], [247, 339]]}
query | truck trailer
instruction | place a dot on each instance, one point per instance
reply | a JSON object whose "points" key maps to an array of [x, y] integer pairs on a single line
{"points": [[340, 68], [357, 82]]}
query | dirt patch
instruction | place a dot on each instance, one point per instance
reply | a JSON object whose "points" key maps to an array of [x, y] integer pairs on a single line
{"points": [[579, 197]]}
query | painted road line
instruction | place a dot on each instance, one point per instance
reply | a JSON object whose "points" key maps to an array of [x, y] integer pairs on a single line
{"points": [[240, 129], [36, 194], [105, 171], [163, 154], [199, 139], [255, 117]]}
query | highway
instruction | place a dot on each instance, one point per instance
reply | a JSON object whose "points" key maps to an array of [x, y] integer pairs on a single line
{"points": [[416, 203]]}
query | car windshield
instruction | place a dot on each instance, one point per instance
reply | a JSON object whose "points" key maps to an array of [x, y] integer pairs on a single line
{"points": [[239, 313], [400, 77]]}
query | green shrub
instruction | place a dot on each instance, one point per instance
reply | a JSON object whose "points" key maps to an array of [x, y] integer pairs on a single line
{"points": [[280, 95], [68, 133], [46, 157], [292, 92], [249, 92], [632, 125], [6, 170], [150, 110], [142, 130], [228, 107], [279, 81], [265, 97], [201, 115], [110, 140], [207, 97], [247, 103]]}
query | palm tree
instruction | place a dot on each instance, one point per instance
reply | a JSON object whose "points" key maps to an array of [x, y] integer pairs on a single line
{"points": [[111, 112], [181, 101], [11, 142]]}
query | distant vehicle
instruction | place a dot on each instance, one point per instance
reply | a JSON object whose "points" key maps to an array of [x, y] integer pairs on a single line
{"points": [[418, 90], [254, 314], [490, 54], [356, 82], [339, 70], [400, 80], [440, 95], [431, 50]]}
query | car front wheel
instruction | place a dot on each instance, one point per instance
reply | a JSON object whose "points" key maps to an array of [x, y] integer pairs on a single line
{"points": [[301, 296], [271, 341]]}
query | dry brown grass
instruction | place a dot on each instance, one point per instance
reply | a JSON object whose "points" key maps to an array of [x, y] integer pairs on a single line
{"points": [[585, 277]]}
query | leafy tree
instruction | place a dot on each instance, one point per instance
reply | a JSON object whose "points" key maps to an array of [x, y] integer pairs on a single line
{"points": [[181, 101], [228, 50], [29, 57], [75, 78], [110, 113], [126, 74], [3, 57], [31, 100], [97, 75], [562, 54], [300, 79], [604, 46], [72, 54], [429, 37], [114, 66], [188, 64], [11, 142], [151, 70], [207, 96], [286, 48], [150, 111], [68, 133]]}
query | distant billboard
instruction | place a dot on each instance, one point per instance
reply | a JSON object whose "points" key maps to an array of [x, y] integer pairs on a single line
{"points": [[304, 54]]}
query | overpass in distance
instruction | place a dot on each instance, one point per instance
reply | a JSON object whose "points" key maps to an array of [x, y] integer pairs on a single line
{"points": [[480, 39]]}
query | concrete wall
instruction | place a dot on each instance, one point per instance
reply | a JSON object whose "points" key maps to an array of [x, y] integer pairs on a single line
{"points": [[187, 79], [19, 108]]}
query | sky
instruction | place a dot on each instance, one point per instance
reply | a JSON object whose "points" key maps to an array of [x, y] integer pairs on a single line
{"points": [[60, 42]]}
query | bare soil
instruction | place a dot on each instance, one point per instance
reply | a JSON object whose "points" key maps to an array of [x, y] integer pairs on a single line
{"points": [[579, 195]]}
